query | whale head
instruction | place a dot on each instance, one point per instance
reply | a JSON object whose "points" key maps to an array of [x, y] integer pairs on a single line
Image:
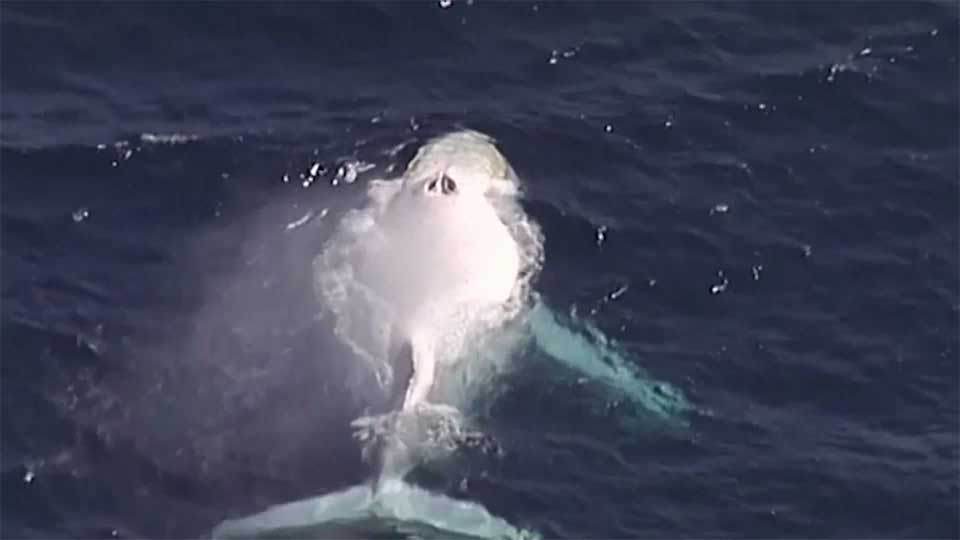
{"points": [[460, 164]]}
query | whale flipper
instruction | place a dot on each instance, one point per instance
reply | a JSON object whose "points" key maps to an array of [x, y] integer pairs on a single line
{"points": [[587, 351]]}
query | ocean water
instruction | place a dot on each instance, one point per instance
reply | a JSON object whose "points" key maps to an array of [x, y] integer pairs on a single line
{"points": [[758, 200]]}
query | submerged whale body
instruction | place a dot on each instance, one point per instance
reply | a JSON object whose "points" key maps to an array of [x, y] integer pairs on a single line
{"points": [[395, 510], [429, 284]]}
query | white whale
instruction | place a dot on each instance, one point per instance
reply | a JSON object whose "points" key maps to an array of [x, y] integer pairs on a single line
{"points": [[435, 271], [430, 262]]}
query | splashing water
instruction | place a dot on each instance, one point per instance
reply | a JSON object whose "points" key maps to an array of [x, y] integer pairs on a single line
{"points": [[434, 273]]}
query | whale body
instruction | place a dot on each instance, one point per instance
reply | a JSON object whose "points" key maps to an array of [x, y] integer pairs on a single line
{"points": [[433, 277]]}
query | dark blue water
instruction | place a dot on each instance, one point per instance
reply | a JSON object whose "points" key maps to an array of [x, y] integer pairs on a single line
{"points": [[774, 184]]}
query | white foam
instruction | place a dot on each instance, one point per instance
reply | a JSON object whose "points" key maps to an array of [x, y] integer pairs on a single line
{"points": [[170, 138]]}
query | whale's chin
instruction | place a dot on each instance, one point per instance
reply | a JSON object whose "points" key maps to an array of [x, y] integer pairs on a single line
{"points": [[454, 252]]}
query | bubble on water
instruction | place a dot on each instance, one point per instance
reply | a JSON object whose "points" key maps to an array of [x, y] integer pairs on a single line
{"points": [[351, 173], [834, 69], [446, 3], [619, 292], [720, 209], [81, 214], [720, 287], [350, 170], [303, 220], [173, 138]]}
